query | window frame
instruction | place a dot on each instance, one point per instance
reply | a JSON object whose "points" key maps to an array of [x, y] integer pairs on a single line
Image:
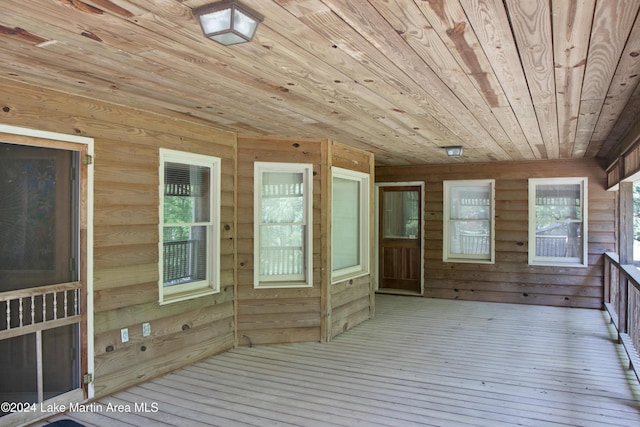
{"points": [[304, 280], [364, 202], [211, 283], [447, 255], [558, 261]]}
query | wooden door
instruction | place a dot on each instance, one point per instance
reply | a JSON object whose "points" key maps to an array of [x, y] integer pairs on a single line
{"points": [[42, 275], [400, 238]]}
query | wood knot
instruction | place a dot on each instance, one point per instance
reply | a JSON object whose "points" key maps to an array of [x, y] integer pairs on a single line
{"points": [[91, 36], [457, 30]]}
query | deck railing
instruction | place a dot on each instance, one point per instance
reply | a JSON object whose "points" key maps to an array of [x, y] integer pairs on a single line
{"points": [[622, 301], [281, 260], [180, 261], [550, 245], [36, 309]]}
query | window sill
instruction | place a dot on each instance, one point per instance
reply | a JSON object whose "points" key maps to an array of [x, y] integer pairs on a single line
{"points": [[469, 260], [183, 296], [557, 264], [281, 285]]}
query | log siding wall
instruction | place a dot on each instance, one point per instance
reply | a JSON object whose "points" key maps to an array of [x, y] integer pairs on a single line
{"points": [[268, 316], [351, 301], [126, 163], [511, 279]]}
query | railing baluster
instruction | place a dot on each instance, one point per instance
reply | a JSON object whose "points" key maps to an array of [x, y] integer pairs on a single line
{"points": [[8, 314], [20, 313], [55, 306], [64, 304]]}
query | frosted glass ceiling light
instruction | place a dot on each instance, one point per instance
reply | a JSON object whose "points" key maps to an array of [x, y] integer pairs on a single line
{"points": [[454, 150], [228, 22]]}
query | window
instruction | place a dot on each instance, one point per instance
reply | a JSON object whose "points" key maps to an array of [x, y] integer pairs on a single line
{"points": [[469, 221], [557, 221], [283, 202], [189, 218], [349, 224]]}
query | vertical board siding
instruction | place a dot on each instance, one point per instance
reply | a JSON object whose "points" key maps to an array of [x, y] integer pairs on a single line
{"points": [[126, 198], [511, 279], [268, 316], [350, 301]]}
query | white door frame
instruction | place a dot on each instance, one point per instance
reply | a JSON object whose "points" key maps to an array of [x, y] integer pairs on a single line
{"points": [[72, 396]]}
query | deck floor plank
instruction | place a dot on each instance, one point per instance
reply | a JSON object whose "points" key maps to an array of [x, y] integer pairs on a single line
{"points": [[420, 362]]}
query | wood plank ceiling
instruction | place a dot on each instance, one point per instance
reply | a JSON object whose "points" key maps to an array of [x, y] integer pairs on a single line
{"points": [[507, 80]]}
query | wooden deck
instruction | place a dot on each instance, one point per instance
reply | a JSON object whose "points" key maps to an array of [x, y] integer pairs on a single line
{"points": [[419, 362]]}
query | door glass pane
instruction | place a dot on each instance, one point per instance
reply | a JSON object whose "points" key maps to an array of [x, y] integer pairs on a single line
{"points": [[401, 214]]}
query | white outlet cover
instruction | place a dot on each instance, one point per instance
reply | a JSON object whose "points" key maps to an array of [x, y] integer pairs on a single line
{"points": [[146, 329], [124, 334]]}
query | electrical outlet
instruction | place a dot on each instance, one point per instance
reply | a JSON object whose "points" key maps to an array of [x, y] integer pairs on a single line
{"points": [[124, 334], [146, 329]]}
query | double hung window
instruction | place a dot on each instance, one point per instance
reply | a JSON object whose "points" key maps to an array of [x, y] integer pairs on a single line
{"points": [[469, 221], [189, 218], [282, 225], [557, 221]]}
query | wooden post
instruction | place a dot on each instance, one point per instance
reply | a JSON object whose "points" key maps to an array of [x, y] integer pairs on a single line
{"points": [[325, 241], [625, 249], [372, 231], [607, 281]]}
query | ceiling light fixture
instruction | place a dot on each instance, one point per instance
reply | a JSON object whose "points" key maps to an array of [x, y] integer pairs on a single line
{"points": [[454, 150], [228, 22]]}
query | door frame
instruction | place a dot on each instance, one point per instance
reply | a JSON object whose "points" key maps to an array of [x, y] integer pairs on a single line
{"points": [[34, 137], [376, 267]]}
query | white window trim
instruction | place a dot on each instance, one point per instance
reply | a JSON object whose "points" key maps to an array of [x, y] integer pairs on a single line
{"points": [[558, 261], [211, 284], [446, 219], [282, 282], [362, 268]]}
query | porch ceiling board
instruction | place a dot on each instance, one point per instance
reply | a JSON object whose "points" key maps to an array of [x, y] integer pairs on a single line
{"points": [[401, 78], [419, 362]]}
